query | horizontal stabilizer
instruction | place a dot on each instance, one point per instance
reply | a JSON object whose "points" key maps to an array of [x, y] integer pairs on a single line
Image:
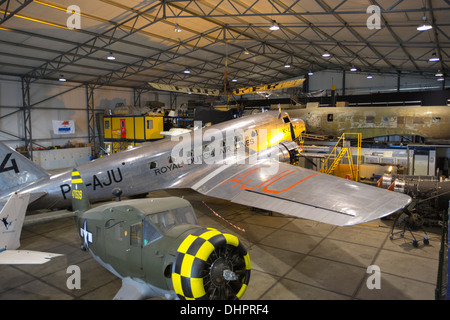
{"points": [[25, 257]]}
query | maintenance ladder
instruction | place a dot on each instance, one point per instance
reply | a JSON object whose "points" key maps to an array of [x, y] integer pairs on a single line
{"points": [[335, 157]]}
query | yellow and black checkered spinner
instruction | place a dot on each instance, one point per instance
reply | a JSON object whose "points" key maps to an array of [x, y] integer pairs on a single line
{"points": [[191, 262]]}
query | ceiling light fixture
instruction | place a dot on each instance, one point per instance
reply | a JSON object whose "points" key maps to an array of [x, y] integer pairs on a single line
{"points": [[353, 69], [274, 26], [369, 76], [440, 79], [233, 80], [111, 56], [434, 58], [187, 71], [310, 73], [288, 63], [439, 74], [425, 26], [62, 79], [177, 28], [326, 54]]}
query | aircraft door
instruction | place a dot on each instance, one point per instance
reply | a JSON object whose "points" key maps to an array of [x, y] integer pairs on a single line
{"points": [[134, 252], [123, 241]]}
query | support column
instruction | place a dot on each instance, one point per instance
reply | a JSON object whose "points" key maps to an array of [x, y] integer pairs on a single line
{"points": [[26, 103], [173, 100], [343, 82], [91, 118], [137, 97], [306, 84]]}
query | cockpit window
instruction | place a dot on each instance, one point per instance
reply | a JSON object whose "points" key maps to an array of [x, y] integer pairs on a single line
{"points": [[136, 234], [185, 215], [168, 219], [286, 119], [150, 233]]}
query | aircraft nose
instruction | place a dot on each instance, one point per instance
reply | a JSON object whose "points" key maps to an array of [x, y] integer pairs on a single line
{"points": [[299, 127], [210, 265]]}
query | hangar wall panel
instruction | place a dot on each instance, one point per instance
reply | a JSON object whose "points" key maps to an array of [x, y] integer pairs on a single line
{"points": [[60, 101], [357, 82]]}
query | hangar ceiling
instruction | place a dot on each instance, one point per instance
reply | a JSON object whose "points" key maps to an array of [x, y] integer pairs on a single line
{"points": [[36, 43]]}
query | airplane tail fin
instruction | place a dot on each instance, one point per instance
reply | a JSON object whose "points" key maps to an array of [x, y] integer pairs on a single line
{"points": [[16, 171], [11, 220], [80, 201]]}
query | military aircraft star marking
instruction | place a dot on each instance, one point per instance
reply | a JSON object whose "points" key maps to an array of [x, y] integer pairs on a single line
{"points": [[85, 234]]}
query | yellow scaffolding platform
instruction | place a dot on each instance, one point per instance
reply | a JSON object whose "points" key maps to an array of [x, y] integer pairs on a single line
{"points": [[336, 157]]}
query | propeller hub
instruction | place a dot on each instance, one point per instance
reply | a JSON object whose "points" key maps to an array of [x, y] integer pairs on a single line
{"points": [[220, 272]]}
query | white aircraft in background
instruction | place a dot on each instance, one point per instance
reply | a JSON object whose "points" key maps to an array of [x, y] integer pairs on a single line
{"points": [[12, 217]]}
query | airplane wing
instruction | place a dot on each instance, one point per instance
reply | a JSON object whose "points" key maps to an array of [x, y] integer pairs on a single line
{"points": [[296, 191], [193, 90], [240, 91], [25, 257], [269, 87]]}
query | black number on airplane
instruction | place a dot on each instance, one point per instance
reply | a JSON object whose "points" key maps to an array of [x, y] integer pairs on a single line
{"points": [[4, 168]]}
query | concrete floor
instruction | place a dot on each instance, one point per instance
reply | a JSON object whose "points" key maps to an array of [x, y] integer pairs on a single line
{"points": [[291, 258]]}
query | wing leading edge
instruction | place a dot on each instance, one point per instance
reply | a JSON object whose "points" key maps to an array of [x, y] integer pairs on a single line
{"points": [[299, 192]]}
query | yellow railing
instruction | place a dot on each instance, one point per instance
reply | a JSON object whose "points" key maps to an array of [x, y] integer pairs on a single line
{"points": [[336, 156]]}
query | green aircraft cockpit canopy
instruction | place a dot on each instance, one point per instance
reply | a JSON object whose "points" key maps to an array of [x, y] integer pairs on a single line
{"points": [[168, 219], [155, 205], [160, 216]]}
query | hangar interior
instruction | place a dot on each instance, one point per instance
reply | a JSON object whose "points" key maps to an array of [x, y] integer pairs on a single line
{"points": [[75, 86]]}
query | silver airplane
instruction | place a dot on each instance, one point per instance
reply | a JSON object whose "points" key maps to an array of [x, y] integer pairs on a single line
{"points": [[252, 169]]}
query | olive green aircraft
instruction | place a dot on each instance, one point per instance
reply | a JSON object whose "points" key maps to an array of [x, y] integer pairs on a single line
{"points": [[157, 248], [431, 123]]}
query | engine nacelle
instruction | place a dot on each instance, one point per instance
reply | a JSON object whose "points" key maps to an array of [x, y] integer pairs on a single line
{"points": [[288, 151]]}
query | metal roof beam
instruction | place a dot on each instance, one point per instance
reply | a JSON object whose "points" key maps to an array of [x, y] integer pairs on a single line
{"points": [[436, 40], [94, 44], [8, 14], [273, 10]]}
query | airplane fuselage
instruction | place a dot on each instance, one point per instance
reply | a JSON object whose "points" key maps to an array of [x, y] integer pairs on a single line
{"points": [[428, 122], [151, 166], [113, 234]]}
